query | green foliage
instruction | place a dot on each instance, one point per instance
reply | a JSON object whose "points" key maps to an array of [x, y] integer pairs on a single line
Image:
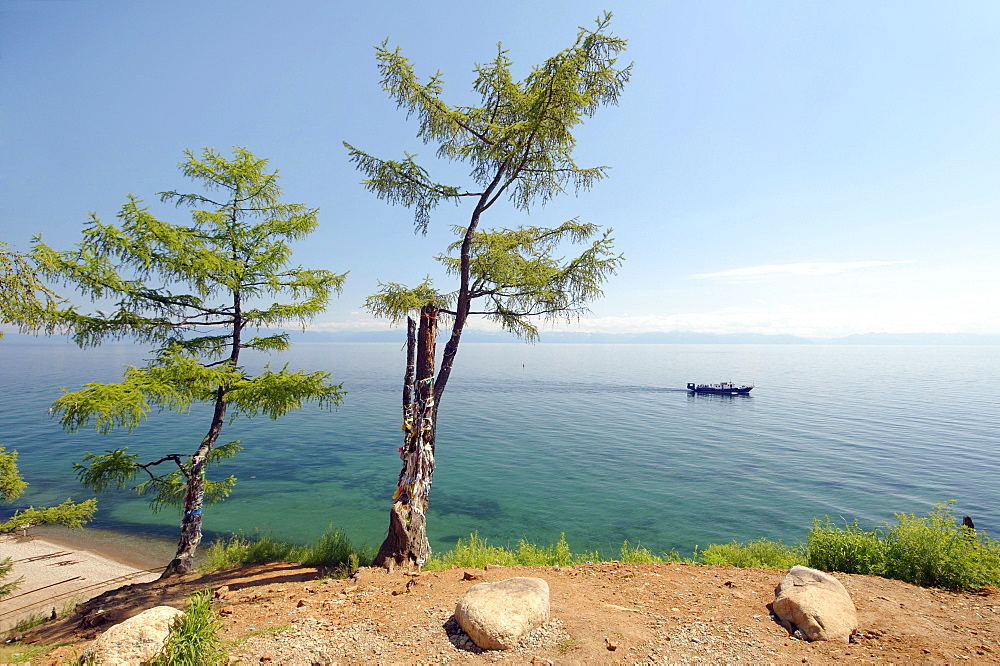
{"points": [[333, 551], [24, 298], [6, 564], [118, 469], [12, 484], [849, 549], [933, 550], [67, 513], [761, 553], [518, 143], [395, 301], [194, 291], [517, 276], [194, 637]]}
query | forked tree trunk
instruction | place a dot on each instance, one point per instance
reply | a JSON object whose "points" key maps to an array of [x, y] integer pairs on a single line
{"points": [[406, 545]]}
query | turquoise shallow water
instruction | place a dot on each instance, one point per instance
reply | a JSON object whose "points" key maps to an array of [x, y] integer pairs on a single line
{"points": [[601, 442]]}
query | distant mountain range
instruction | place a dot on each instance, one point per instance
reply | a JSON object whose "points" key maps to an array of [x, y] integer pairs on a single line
{"points": [[664, 338], [672, 338]]}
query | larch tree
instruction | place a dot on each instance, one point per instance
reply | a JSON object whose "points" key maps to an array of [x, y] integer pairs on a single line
{"points": [[12, 486], [518, 145], [25, 302], [197, 292]]}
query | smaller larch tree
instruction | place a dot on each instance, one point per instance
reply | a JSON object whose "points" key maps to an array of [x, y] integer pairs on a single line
{"points": [[12, 486], [25, 301], [195, 292], [518, 144]]}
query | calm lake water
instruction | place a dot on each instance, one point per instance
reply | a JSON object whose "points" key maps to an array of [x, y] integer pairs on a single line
{"points": [[600, 442]]}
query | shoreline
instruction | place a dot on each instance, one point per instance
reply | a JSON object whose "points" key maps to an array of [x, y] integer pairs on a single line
{"points": [[60, 567]]}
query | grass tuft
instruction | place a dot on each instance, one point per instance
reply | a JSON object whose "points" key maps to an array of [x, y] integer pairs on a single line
{"points": [[761, 553], [194, 636], [476, 553], [22, 654]]}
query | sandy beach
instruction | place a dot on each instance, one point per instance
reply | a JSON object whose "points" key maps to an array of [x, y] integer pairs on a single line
{"points": [[61, 567]]}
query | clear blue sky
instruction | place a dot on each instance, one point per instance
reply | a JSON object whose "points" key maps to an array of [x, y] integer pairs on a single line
{"points": [[813, 168]]}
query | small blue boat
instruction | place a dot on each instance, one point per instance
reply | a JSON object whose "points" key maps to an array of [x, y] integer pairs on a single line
{"points": [[723, 388]]}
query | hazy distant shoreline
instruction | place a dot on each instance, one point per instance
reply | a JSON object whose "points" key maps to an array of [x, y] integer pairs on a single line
{"points": [[673, 337]]}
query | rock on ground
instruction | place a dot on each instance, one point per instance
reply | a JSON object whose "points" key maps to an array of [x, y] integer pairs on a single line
{"points": [[134, 641], [816, 604], [497, 615]]}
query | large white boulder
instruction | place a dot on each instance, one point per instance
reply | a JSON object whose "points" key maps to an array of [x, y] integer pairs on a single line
{"points": [[816, 604], [497, 615], [134, 641]]}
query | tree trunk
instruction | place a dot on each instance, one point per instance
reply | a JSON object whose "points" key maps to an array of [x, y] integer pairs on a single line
{"points": [[406, 545], [183, 561], [194, 497]]}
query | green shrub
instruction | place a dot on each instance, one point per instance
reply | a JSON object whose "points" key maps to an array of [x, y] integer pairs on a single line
{"points": [[849, 549], [760, 553], [937, 551], [194, 637], [934, 550]]}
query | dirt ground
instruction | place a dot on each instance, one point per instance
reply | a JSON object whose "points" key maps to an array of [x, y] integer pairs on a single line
{"points": [[601, 613]]}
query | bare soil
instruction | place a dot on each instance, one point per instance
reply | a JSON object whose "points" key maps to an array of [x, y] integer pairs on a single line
{"points": [[601, 613]]}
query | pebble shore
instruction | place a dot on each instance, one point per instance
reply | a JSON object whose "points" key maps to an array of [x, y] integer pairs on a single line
{"points": [[59, 568]]}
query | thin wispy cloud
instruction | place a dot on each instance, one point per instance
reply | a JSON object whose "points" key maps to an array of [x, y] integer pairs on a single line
{"points": [[803, 268]]}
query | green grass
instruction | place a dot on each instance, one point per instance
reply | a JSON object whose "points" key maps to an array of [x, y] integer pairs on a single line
{"points": [[760, 553], [639, 554], [934, 550], [476, 553], [194, 637], [21, 654], [29, 622], [332, 552]]}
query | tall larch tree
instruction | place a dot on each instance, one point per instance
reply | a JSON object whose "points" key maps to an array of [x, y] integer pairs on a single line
{"points": [[197, 293], [518, 145]]}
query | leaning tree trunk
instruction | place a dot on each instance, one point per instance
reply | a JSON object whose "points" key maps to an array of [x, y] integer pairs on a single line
{"points": [[194, 497], [406, 544]]}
